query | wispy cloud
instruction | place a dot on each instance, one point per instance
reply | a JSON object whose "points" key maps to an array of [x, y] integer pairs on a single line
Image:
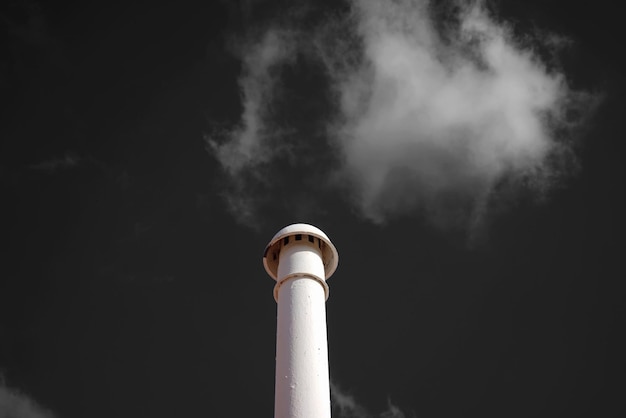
{"points": [[346, 406], [253, 142], [55, 164], [430, 116], [14, 404]]}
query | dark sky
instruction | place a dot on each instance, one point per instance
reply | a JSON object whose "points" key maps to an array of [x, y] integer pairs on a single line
{"points": [[129, 287]]}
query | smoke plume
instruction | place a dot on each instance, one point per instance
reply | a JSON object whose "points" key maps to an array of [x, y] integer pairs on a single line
{"points": [[429, 115]]}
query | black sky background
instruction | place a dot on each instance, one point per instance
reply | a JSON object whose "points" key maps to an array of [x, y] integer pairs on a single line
{"points": [[129, 290]]}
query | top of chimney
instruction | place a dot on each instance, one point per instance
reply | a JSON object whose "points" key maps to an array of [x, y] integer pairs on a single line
{"points": [[330, 257]]}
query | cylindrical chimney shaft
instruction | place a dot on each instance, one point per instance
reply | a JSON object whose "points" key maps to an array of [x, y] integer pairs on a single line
{"points": [[300, 258]]}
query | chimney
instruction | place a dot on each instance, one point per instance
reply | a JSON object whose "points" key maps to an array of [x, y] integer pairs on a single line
{"points": [[300, 258]]}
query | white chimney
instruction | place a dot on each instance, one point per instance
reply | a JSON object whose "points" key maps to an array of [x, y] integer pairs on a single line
{"points": [[300, 258]]}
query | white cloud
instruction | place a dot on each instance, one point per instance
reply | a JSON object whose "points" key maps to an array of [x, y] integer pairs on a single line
{"points": [[54, 164], [429, 117], [247, 144], [14, 404], [346, 406], [252, 142], [430, 120]]}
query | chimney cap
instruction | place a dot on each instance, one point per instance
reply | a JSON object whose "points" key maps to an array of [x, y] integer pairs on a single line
{"points": [[330, 257]]}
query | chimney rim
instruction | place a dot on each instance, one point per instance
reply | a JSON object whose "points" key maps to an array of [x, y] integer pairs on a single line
{"points": [[330, 256]]}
